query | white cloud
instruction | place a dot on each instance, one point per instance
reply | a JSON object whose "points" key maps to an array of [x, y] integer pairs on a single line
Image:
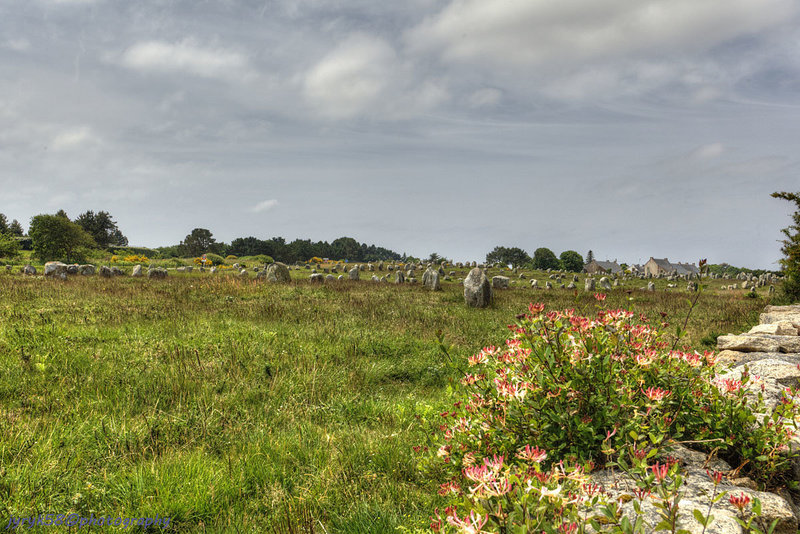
{"points": [[73, 138], [486, 97], [188, 57], [710, 151], [265, 205], [365, 75], [569, 32], [18, 45]]}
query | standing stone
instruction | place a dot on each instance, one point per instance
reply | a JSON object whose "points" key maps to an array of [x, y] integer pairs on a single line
{"points": [[400, 277], [534, 284], [277, 272], [137, 271], [499, 282], [430, 279], [330, 278], [571, 285], [353, 273], [55, 268], [29, 269], [477, 289], [548, 285], [605, 283], [86, 270], [588, 284], [317, 277], [651, 286], [771, 289], [340, 277], [575, 278], [105, 271], [156, 272]]}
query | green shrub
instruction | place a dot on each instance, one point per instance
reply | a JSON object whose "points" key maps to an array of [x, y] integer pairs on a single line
{"points": [[215, 259], [568, 393], [9, 246]]}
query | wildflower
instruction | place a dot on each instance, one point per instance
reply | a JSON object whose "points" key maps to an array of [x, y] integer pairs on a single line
{"points": [[739, 501], [656, 394], [660, 471], [716, 476], [537, 308], [472, 525], [532, 454]]}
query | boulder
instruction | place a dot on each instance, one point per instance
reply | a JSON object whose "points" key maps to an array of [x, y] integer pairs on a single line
{"points": [[400, 277], [317, 277], [430, 279], [589, 284], [747, 344], [651, 286], [55, 269], [137, 271], [86, 270], [73, 269], [156, 272], [105, 271], [277, 272], [500, 282], [781, 328], [604, 283], [477, 289], [353, 273]]}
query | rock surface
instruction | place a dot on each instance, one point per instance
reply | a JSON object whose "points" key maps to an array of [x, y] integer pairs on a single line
{"points": [[477, 289]]}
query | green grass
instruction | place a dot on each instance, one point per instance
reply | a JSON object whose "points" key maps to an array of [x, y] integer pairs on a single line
{"points": [[238, 405]]}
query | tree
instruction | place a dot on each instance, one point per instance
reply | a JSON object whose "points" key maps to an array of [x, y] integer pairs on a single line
{"points": [[791, 249], [544, 258], [102, 228], [434, 258], [589, 257], [15, 229], [57, 238], [63, 214], [571, 261], [514, 256], [3, 224], [198, 242], [9, 246]]}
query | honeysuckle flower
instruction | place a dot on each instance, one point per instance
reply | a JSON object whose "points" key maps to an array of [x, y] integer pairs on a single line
{"points": [[532, 454], [656, 394], [660, 471], [472, 525], [739, 501]]}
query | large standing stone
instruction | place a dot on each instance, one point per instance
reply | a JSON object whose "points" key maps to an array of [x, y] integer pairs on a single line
{"points": [[55, 268], [86, 270], [400, 277], [277, 272], [317, 277], [588, 284], [477, 289], [430, 279], [353, 273], [156, 272], [651, 286], [605, 283], [499, 282], [137, 271], [105, 271]]}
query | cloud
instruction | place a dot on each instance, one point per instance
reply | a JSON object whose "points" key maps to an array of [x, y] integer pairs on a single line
{"points": [[365, 75], [186, 57], [73, 138], [531, 33], [486, 97], [265, 205], [706, 152]]}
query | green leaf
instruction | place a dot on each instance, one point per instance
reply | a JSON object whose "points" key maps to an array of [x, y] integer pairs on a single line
{"points": [[700, 517]]}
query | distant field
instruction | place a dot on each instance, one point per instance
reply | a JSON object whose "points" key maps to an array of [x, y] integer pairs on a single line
{"points": [[234, 404]]}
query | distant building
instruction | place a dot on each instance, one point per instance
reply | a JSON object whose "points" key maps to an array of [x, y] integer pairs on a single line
{"points": [[663, 267], [602, 267]]}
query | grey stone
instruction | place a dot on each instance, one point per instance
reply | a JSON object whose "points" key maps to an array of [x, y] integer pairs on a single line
{"points": [[477, 289], [500, 282], [430, 279], [651, 286], [317, 277], [105, 271], [400, 277], [781, 328], [55, 268], [86, 270], [73, 269], [604, 283], [353, 273], [747, 343], [137, 271], [156, 272], [277, 272], [589, 284]]}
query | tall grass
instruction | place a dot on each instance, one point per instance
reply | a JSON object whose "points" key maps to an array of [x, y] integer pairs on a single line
{"points": [[230, 404]]}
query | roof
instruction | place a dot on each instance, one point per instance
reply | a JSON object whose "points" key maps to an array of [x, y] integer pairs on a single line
{"points": [[677, 268], [610, 266]]}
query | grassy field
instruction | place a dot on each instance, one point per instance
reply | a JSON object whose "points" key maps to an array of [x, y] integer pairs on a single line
{"points": [[232, 404]]}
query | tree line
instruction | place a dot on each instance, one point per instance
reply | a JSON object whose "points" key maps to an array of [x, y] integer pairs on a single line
{"points": [[543, 259]]}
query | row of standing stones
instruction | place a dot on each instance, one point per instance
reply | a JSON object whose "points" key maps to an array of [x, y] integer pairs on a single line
{"points": [[771, 352]]}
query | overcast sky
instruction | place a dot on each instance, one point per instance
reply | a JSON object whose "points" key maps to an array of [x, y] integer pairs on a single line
{"points": [[633, 128]]}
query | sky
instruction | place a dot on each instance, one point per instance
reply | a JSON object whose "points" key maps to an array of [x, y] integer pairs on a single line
{"points": [[632, 128]]}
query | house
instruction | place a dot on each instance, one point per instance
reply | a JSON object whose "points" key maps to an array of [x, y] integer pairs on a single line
{"points": [[663, 267], [602, 267]]}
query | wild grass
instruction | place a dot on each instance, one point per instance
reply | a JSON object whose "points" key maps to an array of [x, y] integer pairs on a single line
{"points": [[232, 404]]}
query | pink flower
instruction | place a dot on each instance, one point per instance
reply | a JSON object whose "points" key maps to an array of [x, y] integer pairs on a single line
{"points": [[532, 454], [716, 476], [656, 394], [600, 297], [739, 501], [472, 525], [660, 471]]}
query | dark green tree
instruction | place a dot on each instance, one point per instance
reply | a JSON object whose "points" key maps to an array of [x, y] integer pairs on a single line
{"points": [[102, 228], [198, 242], [15, 229], [544, 258], [62, 213], [589, 257], [791, 249], [514, 256], [4, 228], [57, 238], [9, 246], [571, 261]]}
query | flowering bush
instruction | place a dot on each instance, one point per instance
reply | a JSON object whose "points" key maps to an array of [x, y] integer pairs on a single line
{"points": [[569, 393]]}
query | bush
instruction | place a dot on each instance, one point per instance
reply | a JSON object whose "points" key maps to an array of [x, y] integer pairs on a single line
{"points": [[9, 246], [215, 259], [231, 257], [568, 393]]}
